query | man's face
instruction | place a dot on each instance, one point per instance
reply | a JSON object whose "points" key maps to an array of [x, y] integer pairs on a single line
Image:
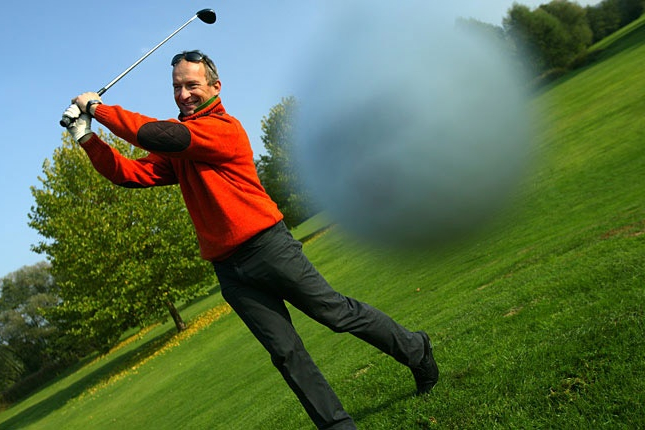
{"points": [[191, 87]]}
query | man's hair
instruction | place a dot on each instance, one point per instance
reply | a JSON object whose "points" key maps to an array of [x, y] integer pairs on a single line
{"points": [[211, 71], [199, 57]]}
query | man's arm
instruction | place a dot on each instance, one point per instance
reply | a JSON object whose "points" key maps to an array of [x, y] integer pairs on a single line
{"points": [[148, 171], [152, 170], [210, 138]]}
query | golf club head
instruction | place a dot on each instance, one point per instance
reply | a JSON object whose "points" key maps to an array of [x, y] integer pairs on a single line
{"points": [[207, 15]]}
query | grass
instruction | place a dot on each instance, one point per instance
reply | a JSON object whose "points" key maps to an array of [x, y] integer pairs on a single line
{"points": [[538, 322]]}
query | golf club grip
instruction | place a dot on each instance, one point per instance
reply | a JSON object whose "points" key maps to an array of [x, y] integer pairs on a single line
{"points": [[65, 121]]}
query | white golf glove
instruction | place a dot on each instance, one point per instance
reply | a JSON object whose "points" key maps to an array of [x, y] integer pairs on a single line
{"points": [[81, 125]]}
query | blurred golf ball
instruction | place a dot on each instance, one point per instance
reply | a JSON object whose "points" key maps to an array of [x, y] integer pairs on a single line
{"points": [[410, 131]]}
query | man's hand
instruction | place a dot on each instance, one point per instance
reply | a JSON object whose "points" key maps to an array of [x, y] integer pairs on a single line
{"points": [[82, 100], [80, 128]]}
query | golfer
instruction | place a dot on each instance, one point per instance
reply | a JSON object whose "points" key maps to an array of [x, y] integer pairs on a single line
{"points": [[240, 230]]}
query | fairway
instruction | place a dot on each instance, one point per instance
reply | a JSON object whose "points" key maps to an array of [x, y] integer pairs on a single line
{"points": [[538, 322]]}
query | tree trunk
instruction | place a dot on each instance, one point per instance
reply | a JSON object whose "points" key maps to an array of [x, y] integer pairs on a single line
{"points": [[179, 323]]}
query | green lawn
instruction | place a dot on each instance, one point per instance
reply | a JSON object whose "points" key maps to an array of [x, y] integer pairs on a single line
{"points": [[539, 322]]}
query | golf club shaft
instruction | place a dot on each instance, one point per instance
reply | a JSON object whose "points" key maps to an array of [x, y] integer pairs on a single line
{"points": [[136, 63], [206, 15]]}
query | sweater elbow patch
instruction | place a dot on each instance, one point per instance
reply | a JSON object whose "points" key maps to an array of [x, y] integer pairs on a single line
{"points": [[164, 136]]}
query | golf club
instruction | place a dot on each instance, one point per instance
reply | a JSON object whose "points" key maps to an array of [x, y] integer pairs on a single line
{"points": [[206, 15]]}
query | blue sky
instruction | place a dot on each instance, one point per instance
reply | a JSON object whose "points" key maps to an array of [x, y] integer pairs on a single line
{"points": [[52, 51]]}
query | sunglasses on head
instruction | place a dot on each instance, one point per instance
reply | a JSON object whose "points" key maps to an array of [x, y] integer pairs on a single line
{"points": [[193, 57]]}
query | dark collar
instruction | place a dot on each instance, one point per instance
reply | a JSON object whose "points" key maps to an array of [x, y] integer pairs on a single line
{"points": [[215, 107]]}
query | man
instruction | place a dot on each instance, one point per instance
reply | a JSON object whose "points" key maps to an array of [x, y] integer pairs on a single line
{"points": [[240, 230]]}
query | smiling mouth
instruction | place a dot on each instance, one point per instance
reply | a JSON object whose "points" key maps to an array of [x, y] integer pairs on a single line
{"points": [[189, 106]]}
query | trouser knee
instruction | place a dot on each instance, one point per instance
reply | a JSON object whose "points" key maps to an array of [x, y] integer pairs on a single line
{"points": [[349, 315]]}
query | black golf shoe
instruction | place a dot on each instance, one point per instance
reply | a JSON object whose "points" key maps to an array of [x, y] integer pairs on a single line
{"points": [[426, 373]]}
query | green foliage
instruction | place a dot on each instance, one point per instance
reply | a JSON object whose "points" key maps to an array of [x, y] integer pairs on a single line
{"points": [[608, 16], [538, 323], [31, 339], [574, 21], [550, 36], [121, 257], [11, 367], [278, 170], [603, 19], [628, 10], [556, 35]]}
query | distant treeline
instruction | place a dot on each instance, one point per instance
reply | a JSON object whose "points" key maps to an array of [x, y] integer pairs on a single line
{"points": [[555, 37]]}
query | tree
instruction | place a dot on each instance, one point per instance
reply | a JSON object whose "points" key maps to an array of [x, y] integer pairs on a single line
{"points": [[11, 368], [629, 10], [549, 37], [573, 17], [278, 170], [604, 19], [29, 338], [609, 15], [518, 26], [121, 257]]}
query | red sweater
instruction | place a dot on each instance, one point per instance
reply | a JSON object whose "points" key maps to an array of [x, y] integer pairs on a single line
{"points": [[208, 154]]}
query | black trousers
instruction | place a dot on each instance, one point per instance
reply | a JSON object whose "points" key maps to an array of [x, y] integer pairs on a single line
{"points": [[270, 269]]}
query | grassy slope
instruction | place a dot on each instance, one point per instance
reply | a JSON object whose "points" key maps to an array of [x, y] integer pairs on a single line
{"points": [[537, 324]]}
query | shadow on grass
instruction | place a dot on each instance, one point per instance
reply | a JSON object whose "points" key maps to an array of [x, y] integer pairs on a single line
{"points": [[385, 405], [316, 233], [96, 379], [634, 37]]}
